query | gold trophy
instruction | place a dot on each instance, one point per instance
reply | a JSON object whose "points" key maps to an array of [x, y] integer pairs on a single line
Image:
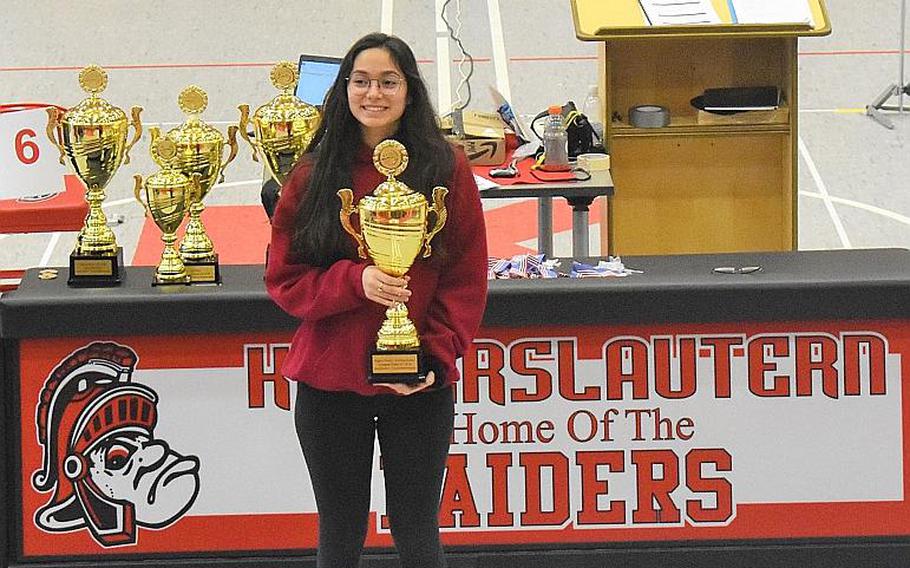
{"points": [[200, 150], [393, 230], [93, 135], [168, 194], [282, 128]]}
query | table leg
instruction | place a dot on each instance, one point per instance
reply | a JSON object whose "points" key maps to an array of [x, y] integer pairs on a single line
{"points": [[545, 225], [580, 233], [609, 249], [580, 245]]}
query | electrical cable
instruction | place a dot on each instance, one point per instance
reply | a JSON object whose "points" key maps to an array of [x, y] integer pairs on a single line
{"points": [[454, 34], [462, 59], [575, 174]]}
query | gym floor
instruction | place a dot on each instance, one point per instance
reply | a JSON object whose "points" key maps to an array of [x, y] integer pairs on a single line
{"points": [[853, 172]]}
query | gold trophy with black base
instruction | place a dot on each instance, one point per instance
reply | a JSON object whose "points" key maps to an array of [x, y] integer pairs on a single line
{"points": [[283, 127], [92, 135], [393, 231], [168, 195], [200, 149]]}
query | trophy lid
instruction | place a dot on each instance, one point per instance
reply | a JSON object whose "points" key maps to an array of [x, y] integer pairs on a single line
{"points": [[169, 175], [93, 110], [193, 101], [93, 79], [166, 149], [284, 76], [163, 151], [286, 106], [167, 178], [390, 158]]}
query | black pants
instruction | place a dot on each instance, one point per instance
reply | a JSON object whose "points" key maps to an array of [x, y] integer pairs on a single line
{"points": [[336, 432]]}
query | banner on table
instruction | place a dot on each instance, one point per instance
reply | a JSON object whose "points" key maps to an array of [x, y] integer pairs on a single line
{"points": [[562, 435]]}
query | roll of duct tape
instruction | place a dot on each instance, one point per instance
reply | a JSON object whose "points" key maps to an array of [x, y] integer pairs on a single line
{"points": [[593, 162], [649, 116]]}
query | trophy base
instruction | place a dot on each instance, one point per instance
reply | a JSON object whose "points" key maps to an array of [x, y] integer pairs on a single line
{"points": [[408, 366], [203, 271], [95, 270], [185, 281]]}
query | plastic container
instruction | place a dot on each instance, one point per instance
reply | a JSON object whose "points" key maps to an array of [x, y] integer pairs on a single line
{"points": [[555, 142]]}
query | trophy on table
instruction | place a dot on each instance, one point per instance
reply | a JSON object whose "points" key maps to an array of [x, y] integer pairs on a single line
{"points": [[92, 135], [200, 149], [393, 230], [168, 195], [283, 127]]}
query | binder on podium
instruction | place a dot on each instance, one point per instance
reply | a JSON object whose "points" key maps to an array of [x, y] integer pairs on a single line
{"points": [[697, 186]]}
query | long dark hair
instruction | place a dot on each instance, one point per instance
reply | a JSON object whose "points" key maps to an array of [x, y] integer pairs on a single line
{"points": [[319, 239]]}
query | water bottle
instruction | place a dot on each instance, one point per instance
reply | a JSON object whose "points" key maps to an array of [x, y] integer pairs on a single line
{"points": [[555, 142], [593, 109]]}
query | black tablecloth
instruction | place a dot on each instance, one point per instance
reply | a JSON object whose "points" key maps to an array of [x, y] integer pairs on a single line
{"points": [[850, 284]]}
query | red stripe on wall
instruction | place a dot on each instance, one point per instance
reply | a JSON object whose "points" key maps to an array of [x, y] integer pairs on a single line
{"points": [[514, 58]]}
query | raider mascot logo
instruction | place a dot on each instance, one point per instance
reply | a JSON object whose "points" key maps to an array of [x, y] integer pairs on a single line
{"points": [[101, 459]]}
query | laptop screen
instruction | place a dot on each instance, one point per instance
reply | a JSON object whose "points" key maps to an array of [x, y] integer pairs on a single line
{"points": [[317, 73]]}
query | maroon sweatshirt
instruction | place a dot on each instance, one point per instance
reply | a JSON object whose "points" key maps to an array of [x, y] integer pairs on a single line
{"points": [[338, 324]]}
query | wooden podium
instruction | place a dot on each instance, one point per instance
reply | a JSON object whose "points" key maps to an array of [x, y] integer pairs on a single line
{"points": [[704, 183]]}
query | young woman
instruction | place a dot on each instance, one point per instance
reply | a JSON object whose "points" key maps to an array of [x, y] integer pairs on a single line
{"points": [[315, 275]]}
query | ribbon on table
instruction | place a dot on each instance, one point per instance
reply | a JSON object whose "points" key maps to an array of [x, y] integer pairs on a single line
{"points": [[611, 268], [522, 266], [538, 266]]}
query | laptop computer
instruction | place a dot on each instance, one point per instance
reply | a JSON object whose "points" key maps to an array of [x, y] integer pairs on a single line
{"points": [[317, 73]]}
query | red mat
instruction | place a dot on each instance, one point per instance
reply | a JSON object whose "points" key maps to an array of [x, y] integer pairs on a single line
{"points": [[241, 232], [524, 175]]}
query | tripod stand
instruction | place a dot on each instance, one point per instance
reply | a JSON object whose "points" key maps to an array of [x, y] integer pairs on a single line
{"points": [[898, 89]]}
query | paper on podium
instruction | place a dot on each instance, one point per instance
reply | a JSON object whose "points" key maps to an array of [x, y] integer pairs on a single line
{"points": [[679, 12], [771, 12]]}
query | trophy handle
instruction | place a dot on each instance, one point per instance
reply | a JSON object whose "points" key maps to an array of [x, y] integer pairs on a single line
{"points": [[347, 209], [232, 142], [244, 133], [53, 120], [439, 207], [137, 127], [137, 192]]}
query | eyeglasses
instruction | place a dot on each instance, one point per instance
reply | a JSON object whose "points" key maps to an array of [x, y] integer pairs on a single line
{"points": [[360, 83]]}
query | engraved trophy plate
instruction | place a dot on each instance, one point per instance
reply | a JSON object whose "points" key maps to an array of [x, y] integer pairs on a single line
{"points": [[393, 231]]}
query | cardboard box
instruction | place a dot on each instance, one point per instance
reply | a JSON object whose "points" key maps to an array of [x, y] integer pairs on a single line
{"points": [[478, 124], [483, 151], [484, 138]]}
